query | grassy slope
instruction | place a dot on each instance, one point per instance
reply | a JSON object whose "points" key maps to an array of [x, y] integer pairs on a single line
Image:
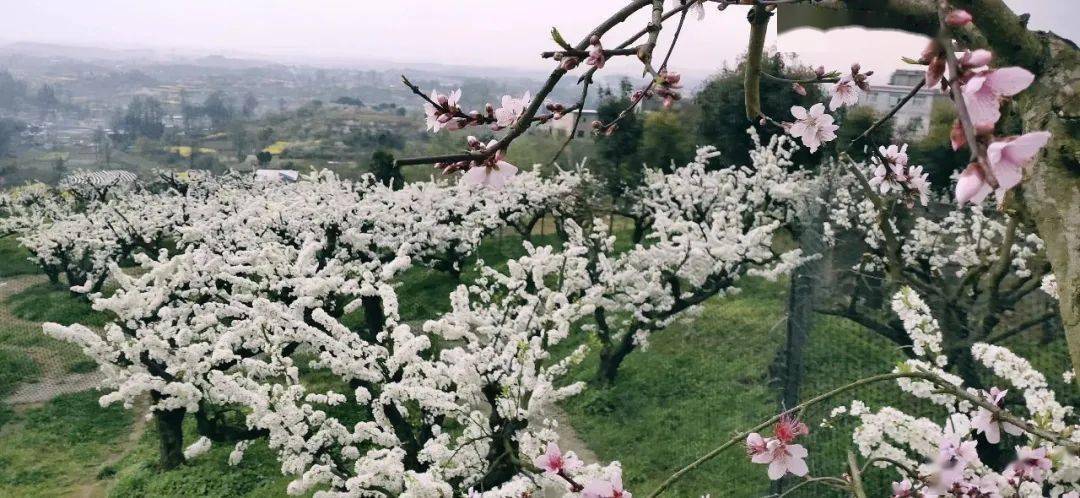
{"points": [[54, 449], [13, 258], [703, 382]]}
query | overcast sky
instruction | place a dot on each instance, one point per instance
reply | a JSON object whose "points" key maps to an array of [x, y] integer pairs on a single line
{"points": [[471, 32]]}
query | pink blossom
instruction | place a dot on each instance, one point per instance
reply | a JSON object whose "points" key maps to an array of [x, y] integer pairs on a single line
{"points": [[438, 118], [956, 136], [1008, 160], [972, 185], [902, 489], [987, 423], [493, 173], [596, 53], [974, 59], [844, 93], [606, 488], [756, 447], [511, 110], [958, 17], [554, 461], [785, 458], [983, 92], [1030, 463], [789, 428], [952, 451], [896, 155], [934, 58], [799, 89], [919, 183], [1010, 157], [812, 127]]}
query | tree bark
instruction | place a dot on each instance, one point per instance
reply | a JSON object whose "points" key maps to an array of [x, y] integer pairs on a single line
{"points": [[170, 427], [611, 357], [1051, 195]]}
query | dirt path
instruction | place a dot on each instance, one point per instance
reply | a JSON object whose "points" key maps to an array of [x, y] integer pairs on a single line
{"points": [[568, 441], [99, 488], [54, 379]]}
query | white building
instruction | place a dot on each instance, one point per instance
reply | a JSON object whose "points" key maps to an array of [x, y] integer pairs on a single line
{"points": [[916, 114]]}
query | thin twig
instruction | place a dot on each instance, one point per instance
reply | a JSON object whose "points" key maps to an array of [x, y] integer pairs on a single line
{"points": [[914, 91], [525, 121]]}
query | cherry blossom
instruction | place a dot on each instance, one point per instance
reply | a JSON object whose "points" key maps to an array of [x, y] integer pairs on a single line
{"points": [[494, 172], [983, 92], [554, 461], [957, 18], [1031, 463], [972, 185], [511, 110], [596, 53], [785, 458], [779, 452], [844, 93], [442, 117], [974, 59], [1009, 159], [934, 58], [667, 85], [986, 423], [813, 127], [610, 487], [902, 489]]}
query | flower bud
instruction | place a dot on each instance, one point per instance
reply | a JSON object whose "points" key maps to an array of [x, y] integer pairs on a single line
{"points": [[595, 40], [820, 71], [799, 89], [957, 18]]}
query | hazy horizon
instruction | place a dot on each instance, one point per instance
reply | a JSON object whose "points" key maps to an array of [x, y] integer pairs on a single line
{"points": [[480, 33]]}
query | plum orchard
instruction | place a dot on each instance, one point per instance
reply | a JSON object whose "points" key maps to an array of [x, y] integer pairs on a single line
{"points": [[237, 315]]}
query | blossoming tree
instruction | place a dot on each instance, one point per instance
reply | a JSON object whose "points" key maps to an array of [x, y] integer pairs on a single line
{"points": [[1003, 58]]}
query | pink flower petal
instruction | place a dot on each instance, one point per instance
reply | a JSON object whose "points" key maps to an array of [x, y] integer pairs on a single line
{"points": [[982, 105], [971, 187], [1009, 81]]}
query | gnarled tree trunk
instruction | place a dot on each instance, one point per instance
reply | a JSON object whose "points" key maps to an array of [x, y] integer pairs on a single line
{"points": [[1052, 193]]}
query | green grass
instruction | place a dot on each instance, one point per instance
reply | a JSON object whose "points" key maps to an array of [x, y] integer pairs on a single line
{"points": [[53, 449], [13, 259], [696, 385], [46, 303], [16, 367], [703, 382], [31, 352], [208, 475]]}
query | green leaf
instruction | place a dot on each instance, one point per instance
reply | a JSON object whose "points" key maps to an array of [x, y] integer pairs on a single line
{"points": [[555, 35]]}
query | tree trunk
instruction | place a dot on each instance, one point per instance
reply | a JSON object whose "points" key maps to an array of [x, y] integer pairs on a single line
{"points": [[1052, 194], [170, 427], [374, 315], [611, 357]]}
